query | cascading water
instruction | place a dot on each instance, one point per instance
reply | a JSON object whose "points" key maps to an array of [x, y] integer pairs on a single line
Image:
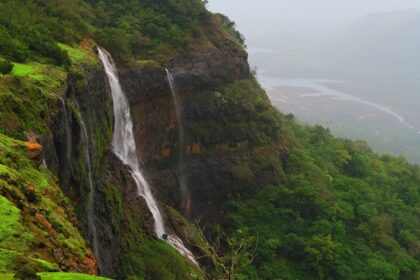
{"points": [[68, 138], [185, 194], [90, 209], [124, 146]]}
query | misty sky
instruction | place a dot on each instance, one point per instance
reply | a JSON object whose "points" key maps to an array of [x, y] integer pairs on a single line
{"points": [[254, 16]]}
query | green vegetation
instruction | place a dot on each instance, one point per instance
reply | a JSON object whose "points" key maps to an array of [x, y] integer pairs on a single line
{"points": [[34, 29], [12, 231], [343, 213], [29, 93], [68, 276], [34, 221], [156, 259], [32, 70], [58, 276], [230, 26], [27, 98], [6, 66]]}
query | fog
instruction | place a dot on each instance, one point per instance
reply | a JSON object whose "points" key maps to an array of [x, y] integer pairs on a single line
{"points": [[350, 65], [256, 17]]}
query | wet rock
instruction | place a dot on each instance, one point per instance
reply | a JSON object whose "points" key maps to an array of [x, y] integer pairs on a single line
{"points": [[211, 67]]}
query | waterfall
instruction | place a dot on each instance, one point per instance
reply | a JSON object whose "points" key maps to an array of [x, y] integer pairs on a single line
{"points": [[66, 121], [124, 147], [90, 206], [185, 194]]}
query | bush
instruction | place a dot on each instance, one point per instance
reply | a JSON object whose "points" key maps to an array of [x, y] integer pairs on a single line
{"points": [[6, 66], [26, 274], [12, 48]]}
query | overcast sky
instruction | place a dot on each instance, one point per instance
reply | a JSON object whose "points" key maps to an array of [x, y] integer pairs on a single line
{"points": [[254, 16]]}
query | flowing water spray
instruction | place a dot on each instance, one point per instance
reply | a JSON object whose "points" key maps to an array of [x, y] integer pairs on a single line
{"points": [[124, 146], [90, 207], [68, 138], [185, 193]]}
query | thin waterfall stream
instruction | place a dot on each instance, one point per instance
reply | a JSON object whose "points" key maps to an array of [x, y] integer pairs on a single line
{"points": [[182, 180], [124, 147], [90, 206]]}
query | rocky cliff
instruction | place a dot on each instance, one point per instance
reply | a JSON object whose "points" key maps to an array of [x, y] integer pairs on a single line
{"points": [[226, 121], [228, 134]]}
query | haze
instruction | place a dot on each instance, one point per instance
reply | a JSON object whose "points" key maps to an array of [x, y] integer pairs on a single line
{"points": [[350, 65], [254, 17]]}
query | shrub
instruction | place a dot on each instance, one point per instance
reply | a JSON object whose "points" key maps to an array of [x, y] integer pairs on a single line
{"points": [[6, 66], [12, 48]]}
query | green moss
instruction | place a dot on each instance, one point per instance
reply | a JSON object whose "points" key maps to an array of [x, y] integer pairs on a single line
{"points": [[30, 229], [39, 72], [74, 54], [20, 69], [244, 115], [12, 232], [155, 259], [11, 261], [27, 98], [68, 276], [114, 201], [80, 56]]}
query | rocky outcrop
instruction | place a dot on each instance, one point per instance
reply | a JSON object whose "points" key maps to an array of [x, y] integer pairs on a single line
{"points": [[212, 67], [219, 162], [87, 99], [219, 147], [122, 219], [143, 81]]}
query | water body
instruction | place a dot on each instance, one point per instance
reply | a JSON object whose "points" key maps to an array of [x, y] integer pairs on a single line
{"points": [[124, 146], [182, 180], [323, 91]]}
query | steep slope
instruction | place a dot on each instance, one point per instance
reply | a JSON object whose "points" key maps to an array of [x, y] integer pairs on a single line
{"points": [[38, 228]]}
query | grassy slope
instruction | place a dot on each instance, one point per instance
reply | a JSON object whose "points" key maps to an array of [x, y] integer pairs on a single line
{"points": [[36, 217], [29, 93], [58, 276]]}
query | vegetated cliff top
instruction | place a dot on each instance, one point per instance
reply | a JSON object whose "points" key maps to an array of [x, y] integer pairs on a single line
{"points": [[128, 29]]}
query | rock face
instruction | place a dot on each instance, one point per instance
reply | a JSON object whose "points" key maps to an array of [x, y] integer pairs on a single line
{"points": [[87, 100], [219, 147], [120, 215], [215, 66], [228, 139]]}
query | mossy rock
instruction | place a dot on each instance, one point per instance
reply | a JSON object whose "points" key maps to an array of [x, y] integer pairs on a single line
{"points": [[31, 230]]}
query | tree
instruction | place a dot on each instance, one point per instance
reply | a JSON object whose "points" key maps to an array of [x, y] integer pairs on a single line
{"points": [[322, 253], [231, 254]]}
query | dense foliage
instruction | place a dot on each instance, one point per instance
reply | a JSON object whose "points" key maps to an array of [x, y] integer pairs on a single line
{"points": [[31, 28], [344, 213]]}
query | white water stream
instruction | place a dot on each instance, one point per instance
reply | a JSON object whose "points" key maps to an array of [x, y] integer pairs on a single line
{"points": [[185, 194], [124, 146]]}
